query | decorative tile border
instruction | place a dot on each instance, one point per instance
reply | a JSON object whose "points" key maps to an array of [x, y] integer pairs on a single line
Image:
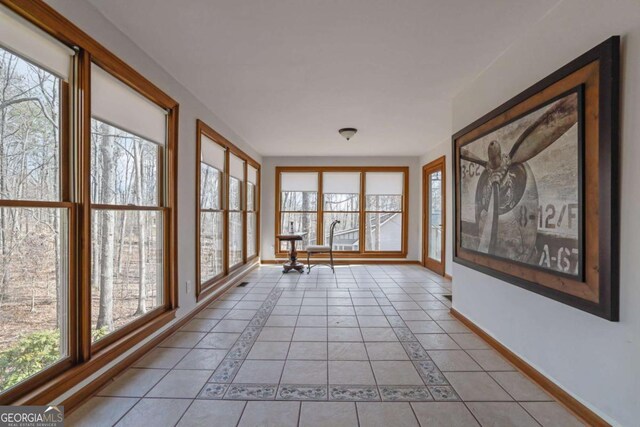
{"points": [[353, 393], [226, 371], [251, 391], [213, 391], [404, 334], [443, 393], [415, 350], [405, 393], [302, 392]]}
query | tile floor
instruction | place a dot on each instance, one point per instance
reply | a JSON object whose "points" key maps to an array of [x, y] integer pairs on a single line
{"points": [[371, 345]]}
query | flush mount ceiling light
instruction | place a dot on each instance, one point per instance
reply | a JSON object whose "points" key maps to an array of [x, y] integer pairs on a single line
{"points": [[348, 132]]}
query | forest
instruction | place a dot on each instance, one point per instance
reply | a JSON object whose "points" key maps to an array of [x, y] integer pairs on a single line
{"points": [[126, 242]]}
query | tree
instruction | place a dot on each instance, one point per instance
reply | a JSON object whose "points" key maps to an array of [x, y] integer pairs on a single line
{"points": [[105, 311]]}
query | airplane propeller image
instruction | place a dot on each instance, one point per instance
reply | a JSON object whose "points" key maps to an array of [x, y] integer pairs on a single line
{"points": [[506, 176]]}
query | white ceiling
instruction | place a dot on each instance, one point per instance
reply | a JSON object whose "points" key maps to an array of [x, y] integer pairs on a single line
{"points": [[285, 75]]}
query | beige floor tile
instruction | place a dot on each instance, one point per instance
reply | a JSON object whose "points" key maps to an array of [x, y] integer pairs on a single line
{"points": [[269, 350], [202, 359], [452, 326], [301, 350], [347, 351], [286, 310], [180, 383], [161, 358], [396, 373], [373, 322], [444, 414], [133, 382], [453, 360], [183, 339], [386, 351], [551, 414], [364, 310], [340, 310], [275, 320], [470, 341], [155, 412], [270, 414], [379, 334], [230, 326], [218, 340], [310, 334], [490, 360], [440, 314], [100, 411], [275, 334], [501, 414], [199, 325], [476, 386], [324, 414], [350, 372], [260, 372], [304, 372], [520, 387], [437, 342], [212, 412], [240, 314], [313, 310], [424, 327], [376, 414], [312, 321], [344, 334], [342, 321], [413, 315]]}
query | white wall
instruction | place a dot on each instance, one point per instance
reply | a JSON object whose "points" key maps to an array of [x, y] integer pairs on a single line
{"points": [[442, 149], [268, 171], [595, 360], [85, 16]]}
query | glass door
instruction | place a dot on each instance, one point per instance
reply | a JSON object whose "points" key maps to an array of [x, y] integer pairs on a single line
{"points": [[433, 176]]}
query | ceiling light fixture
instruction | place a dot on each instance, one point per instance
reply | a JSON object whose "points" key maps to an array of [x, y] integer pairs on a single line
{"points": [[348, 132]]}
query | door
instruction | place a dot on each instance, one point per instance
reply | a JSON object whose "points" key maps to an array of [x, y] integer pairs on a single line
{"points": [[434, 215]]}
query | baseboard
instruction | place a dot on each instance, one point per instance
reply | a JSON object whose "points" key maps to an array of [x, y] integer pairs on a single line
{"points": [[448, 276], [564, 398], [76, 399], [348, 261]]}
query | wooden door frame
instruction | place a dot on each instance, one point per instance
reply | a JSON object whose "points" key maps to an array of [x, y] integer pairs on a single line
{"points": [[441, 165]]}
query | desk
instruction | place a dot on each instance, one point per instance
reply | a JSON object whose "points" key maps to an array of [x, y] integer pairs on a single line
{"points": [[293, 263]]}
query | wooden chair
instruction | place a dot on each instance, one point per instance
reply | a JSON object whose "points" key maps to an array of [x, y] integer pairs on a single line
{"points": [[323, 249]]}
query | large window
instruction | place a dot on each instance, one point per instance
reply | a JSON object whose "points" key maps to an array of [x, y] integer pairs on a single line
{"points": [[212, 167], [252, 212], [228, 213], [86, 190], [369, 202], [341, 198], [299, 207], [383, 211], [34, 202]]}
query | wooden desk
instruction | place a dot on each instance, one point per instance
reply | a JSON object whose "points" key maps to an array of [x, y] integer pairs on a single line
{"points": [[293, 263]]}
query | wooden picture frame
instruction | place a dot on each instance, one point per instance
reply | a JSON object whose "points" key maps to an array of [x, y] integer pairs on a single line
{"points": [[499, 209]]}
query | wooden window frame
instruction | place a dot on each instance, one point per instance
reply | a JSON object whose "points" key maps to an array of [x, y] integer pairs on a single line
{"points": [[361, 253], [437, 165], [256, 211], [84, 358], [211, 285]]}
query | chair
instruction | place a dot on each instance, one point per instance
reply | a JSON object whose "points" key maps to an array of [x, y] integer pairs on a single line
{"points": [[323, 249]]}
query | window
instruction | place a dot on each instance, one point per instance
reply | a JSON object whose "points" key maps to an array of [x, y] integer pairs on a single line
{"points": [[252, 212], [383, 211], [86, 197], [369, 202], [228, 209], [127, 155], [299, 207], [212, 167], [341, 198], [34, 202], [236, 208]]}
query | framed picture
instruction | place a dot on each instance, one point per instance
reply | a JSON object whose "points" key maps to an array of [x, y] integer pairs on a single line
{"points": [[536, 186]]}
